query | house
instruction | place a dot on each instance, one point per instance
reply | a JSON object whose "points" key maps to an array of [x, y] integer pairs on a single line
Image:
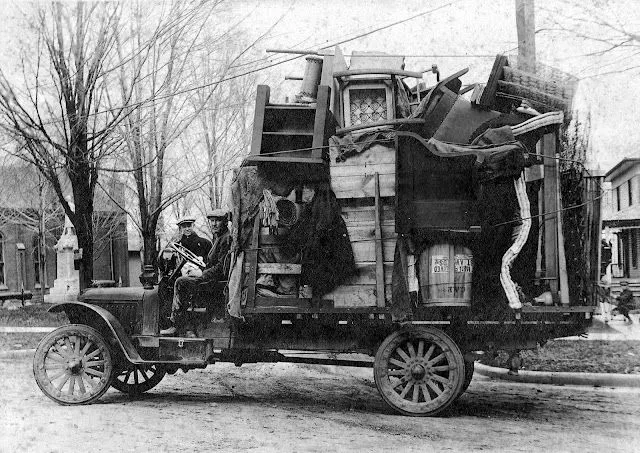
{"points": [[32, 220], [135, 257], [621, 220]]}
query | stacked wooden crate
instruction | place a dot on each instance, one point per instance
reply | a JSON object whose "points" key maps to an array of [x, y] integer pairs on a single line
{"points": [[365, 186]]}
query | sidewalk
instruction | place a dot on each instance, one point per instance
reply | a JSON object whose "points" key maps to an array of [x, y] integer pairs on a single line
{"points": [[614, 330]]}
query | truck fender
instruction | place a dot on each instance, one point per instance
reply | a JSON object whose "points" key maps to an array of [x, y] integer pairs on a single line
{"points": [[98, 317]]}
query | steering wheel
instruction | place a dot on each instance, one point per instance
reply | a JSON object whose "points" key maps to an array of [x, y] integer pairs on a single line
{"points": [[187, 254]]}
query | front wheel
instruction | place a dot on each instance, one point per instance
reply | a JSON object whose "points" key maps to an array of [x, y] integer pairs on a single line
{"points": [[73, 365], [419, 371]]}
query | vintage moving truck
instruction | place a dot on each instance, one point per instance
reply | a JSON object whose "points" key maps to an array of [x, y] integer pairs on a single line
{"points": [[377, 220]]}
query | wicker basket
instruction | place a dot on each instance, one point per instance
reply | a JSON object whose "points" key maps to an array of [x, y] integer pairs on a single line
{"points": [[551, 84], [541, 99]]}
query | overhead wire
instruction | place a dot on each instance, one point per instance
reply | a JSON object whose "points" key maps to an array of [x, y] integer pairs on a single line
{"points": [[252, 71]]}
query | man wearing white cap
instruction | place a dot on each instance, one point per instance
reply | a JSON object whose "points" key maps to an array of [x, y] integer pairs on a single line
{"points": [[190, 239], [215, 272]]}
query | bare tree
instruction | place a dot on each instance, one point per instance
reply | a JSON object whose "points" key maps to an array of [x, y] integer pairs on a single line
{"points": [[177, 80], [611, 40], [154, 74], [54, 113], [224, 121]]}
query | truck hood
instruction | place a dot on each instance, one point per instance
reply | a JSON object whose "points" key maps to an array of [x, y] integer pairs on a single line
{"points": [[120, 294]]}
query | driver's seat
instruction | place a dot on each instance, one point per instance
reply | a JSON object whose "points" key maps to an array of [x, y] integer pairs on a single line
{"points": [[203, 303]]}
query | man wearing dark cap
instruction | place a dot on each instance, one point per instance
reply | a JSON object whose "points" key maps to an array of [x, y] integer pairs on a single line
{"points": [[625, 301], [215, 272], [190, 240]]}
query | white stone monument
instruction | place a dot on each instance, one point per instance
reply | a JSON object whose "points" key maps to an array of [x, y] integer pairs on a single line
{"points": [[67, 286]]}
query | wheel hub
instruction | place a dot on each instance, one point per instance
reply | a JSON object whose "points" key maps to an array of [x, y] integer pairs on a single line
{"points": [[418, 372], [75, 366]]}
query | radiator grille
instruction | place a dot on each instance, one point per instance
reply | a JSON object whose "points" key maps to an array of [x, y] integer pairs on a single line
{"points": [[126, 313]]}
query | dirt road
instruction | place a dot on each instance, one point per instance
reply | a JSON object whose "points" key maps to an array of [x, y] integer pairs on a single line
{"points": [[286, 408]]}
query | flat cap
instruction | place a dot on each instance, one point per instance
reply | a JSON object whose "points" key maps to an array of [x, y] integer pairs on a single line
{"points": [[185, 219], [217, 213]]}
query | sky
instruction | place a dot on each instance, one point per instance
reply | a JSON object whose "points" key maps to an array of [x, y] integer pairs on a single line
{"points": [[473, 30]]}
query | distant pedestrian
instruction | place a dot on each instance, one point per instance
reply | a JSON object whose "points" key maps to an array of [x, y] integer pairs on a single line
{"points": [[625, 301]]}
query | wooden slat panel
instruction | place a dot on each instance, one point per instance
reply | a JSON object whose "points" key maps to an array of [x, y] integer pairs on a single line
{"points": [[363, 186], [353, 178], [366, 274], [355, 215], [365, 250], [279, 268], [262, 301], [376, 154], [359, 170], [363, 232], [356, 295]]}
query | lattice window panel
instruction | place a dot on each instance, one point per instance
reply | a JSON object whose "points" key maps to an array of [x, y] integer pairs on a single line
{"points": [[367, 106]]}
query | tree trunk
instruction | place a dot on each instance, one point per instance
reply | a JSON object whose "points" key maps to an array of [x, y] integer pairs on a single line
{"points": [[149, 254]]}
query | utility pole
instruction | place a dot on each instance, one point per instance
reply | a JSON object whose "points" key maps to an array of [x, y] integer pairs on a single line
{"points": [[525, 22]]}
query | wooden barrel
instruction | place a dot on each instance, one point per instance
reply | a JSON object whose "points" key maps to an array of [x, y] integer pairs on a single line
{"points": [[445, 275]]}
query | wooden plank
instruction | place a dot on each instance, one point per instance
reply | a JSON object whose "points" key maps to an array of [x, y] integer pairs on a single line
{"points": [[368, 232], [489, 93], [385, 71], [550, 208], [365, 250], [377, 153], [546, 309], [357, 295], [262, 301], [252, 259], [330, 65], [337, 171], [379, 258], [364, 215], [262, 99], [358, 231], [366, 273], [363, 186], [325, 310], [323, 128], [279, 268]]}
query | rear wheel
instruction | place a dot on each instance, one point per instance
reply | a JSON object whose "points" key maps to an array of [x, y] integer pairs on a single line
{"points": [[419, 371], [136, 379], [73, 365]]}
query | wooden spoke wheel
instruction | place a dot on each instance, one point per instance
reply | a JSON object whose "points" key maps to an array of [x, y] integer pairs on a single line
{"points": [[136, 379], [419, 371], [73, 365]]}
